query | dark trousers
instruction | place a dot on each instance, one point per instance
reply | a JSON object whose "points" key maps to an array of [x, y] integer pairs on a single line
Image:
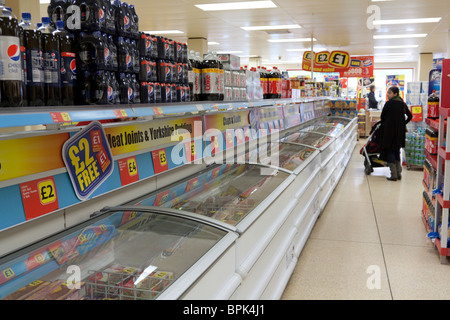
{"points": [[393, 156]]}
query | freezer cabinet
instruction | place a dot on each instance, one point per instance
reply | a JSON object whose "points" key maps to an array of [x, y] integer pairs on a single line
{"points": [[122, 255], [259, 206]]}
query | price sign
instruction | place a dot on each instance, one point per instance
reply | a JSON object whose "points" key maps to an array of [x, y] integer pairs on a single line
{"points": [[322, 57], [417, 113], [120, 113], [229, 139], [339, 59], [60, 117], [88, 159], [160, 163], [128, 170], [191, 151], [162, 198], [39, 197], [158, 111]]}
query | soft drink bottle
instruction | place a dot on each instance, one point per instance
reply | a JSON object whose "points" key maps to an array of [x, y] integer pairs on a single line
{"points": [[34, 74], [136, 88], [210, 78], [52, 64], [93, 51], [93, 15], [11, 82], [136, 57], [114, 54], [119, 17], [134, 27], [23, 59], [126, 20], [110, 24], [68, 64], [57, 11]]}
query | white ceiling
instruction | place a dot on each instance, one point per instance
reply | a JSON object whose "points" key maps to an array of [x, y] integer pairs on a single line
{"points": [[336, 24]]}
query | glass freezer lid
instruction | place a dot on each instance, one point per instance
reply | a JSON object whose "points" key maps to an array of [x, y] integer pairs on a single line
{"points": [[330, 129], [127, 255], [226, 193], [312, 139], [289, 156]]}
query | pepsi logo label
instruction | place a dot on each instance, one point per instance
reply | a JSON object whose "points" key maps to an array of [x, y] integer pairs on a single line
{"points": [[14, 52], [73, 66], [101, 15]]}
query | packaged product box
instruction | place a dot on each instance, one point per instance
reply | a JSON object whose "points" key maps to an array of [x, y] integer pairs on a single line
{"points": [[149, 287], [44, 290], [108, 281], [431, 141], [26, 291], [63, 292], [230, 61]]}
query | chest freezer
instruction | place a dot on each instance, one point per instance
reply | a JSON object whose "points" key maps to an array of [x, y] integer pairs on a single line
{"points": [[119, 255]]}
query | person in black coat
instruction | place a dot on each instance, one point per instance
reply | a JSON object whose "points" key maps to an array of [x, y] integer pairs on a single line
{"points": [[373, 103], [393, 131]]}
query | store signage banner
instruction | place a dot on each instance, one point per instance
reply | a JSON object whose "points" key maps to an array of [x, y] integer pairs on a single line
{"points": [[26, 156], [434, 82], [88, 159], [137, 137], [225, 121], [325, 61], [396, 81], [360, 67]]}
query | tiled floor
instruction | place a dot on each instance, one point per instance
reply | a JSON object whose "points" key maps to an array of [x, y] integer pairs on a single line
{"points": [[370, 243]]}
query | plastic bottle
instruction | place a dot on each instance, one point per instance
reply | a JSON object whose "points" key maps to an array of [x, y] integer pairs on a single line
{"points": [[210, 75], [93, 15], [93, 52], [221, 77], [68, 64], [274, 85], [134, 27], [52, 64], [35, 62], [11, 76], [57, 11]]}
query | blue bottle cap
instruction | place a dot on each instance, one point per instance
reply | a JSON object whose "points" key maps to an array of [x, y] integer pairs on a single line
{"points": [[60, 24], [26, 16], [45, 20]]}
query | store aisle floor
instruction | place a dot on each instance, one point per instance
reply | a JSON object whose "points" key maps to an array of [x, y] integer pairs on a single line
{"points": [[370, 243]]}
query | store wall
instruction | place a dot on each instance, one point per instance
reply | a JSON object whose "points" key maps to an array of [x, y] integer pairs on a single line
{"points": [[31, 6]]}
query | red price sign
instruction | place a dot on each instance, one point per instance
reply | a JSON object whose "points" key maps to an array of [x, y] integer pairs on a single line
{"points": [[39, 197], [128, 170], [160, 163], [191, 151]]}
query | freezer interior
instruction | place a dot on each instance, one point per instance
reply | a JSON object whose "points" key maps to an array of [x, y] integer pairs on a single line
{"points": [[226, 193], [284, 156], [123, 256], [312, 139]]}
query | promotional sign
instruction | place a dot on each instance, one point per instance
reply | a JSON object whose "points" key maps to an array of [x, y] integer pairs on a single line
{"points": [[128, 170], [360, 67], [88, 159], [396, 81], [39, 197], [417, 113], [126, 139], [325, 61], [434, 82]]}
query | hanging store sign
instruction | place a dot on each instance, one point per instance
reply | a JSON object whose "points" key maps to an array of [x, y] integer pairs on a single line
{"points": [[327, 62], [360, 67], [88, 159]]}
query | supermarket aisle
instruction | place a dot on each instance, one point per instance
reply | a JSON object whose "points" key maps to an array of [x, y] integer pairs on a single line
{"points": [[370, 227]]}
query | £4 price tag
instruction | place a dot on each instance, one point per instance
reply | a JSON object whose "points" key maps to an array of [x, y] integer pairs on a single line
{"points": [[128, 169]]}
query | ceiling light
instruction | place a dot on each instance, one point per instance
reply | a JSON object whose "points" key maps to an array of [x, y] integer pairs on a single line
{"points": [[228, 52], [397, 47], [392, 54], [279, 27], [44, 1], [306, 49], [291, 40], [407, 21], [400, 36], [212, 43], [236, 5], [164, 32]]}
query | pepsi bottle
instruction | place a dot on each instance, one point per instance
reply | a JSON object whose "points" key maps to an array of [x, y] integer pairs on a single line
{"points": [[23, 59], [68, 64], [134, 23], [57, 10], [93, 15], [52, 64], [34, 62], [11, 83]]}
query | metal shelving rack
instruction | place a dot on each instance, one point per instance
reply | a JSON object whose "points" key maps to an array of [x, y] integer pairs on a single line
{"points": [[442, 207]]}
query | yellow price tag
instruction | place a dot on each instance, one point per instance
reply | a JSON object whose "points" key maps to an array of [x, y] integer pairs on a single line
{"points": [[416, 110], [66, 116], [123, 113], [132, 167], [8, 273], [47, 192], [162, 158]]}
